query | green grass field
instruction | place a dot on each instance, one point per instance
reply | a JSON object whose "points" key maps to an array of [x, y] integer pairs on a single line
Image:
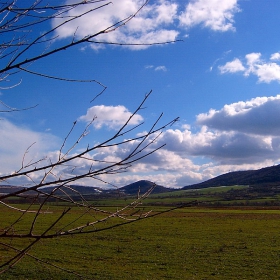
{"points": [[190, 243], [213, 196]]}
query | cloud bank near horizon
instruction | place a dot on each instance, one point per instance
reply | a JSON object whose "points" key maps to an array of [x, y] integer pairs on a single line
{"points": [[242, 135]]}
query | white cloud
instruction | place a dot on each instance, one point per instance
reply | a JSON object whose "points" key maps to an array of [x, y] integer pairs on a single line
{"points": [[167, 160], [232, 67], [214, 14], [190, 178], [253, 58], [159, 21], [160, 68], [157, 68], [268, 72], [174, 166], [111, 116], [242, 135], [265, 71], [149, 26], [259, 116], [230, 148], [15, 141], [275, 56]]}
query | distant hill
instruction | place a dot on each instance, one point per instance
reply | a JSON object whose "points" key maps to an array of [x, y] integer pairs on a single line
{"points": [[9, 189], [263, 176], [75, 190], [144, 186], [131, 189]]}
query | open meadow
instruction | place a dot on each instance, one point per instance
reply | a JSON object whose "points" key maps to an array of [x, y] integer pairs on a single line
{"points": [[139, 140], [188, 243]]}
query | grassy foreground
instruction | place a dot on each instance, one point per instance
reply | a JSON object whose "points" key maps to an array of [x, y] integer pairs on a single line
{"points": [[190, 243]]}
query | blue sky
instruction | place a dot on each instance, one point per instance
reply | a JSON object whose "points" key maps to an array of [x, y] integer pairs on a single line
{"points": [[222, 80]]}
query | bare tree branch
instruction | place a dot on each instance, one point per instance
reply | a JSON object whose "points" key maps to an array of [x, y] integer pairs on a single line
{"points": [[46, 179]]}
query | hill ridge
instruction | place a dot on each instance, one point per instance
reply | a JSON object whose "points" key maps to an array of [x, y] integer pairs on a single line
{"points": [[266, 175]]}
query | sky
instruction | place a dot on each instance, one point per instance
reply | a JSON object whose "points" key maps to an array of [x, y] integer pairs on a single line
{"points": [[221, 79]]}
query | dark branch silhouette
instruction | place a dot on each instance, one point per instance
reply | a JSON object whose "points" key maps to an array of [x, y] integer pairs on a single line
{"points": [[53, 179]]}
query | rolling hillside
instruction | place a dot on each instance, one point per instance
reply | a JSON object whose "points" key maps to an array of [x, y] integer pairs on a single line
{"points": [[263, 176], [74, 190], [143, 186], [259, 179]]}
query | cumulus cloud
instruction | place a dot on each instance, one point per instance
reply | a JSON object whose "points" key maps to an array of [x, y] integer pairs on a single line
{"points": [[190, 178], [214, 14], [177, 168], [232, 67], [246, 133], [237, 148], [160, 68], [223, 147], [275, 56], [242, 135], [149, 26], [111, 116], [157, 68], [15, 141], [266, 71], [159, 21], [259, 116]]}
